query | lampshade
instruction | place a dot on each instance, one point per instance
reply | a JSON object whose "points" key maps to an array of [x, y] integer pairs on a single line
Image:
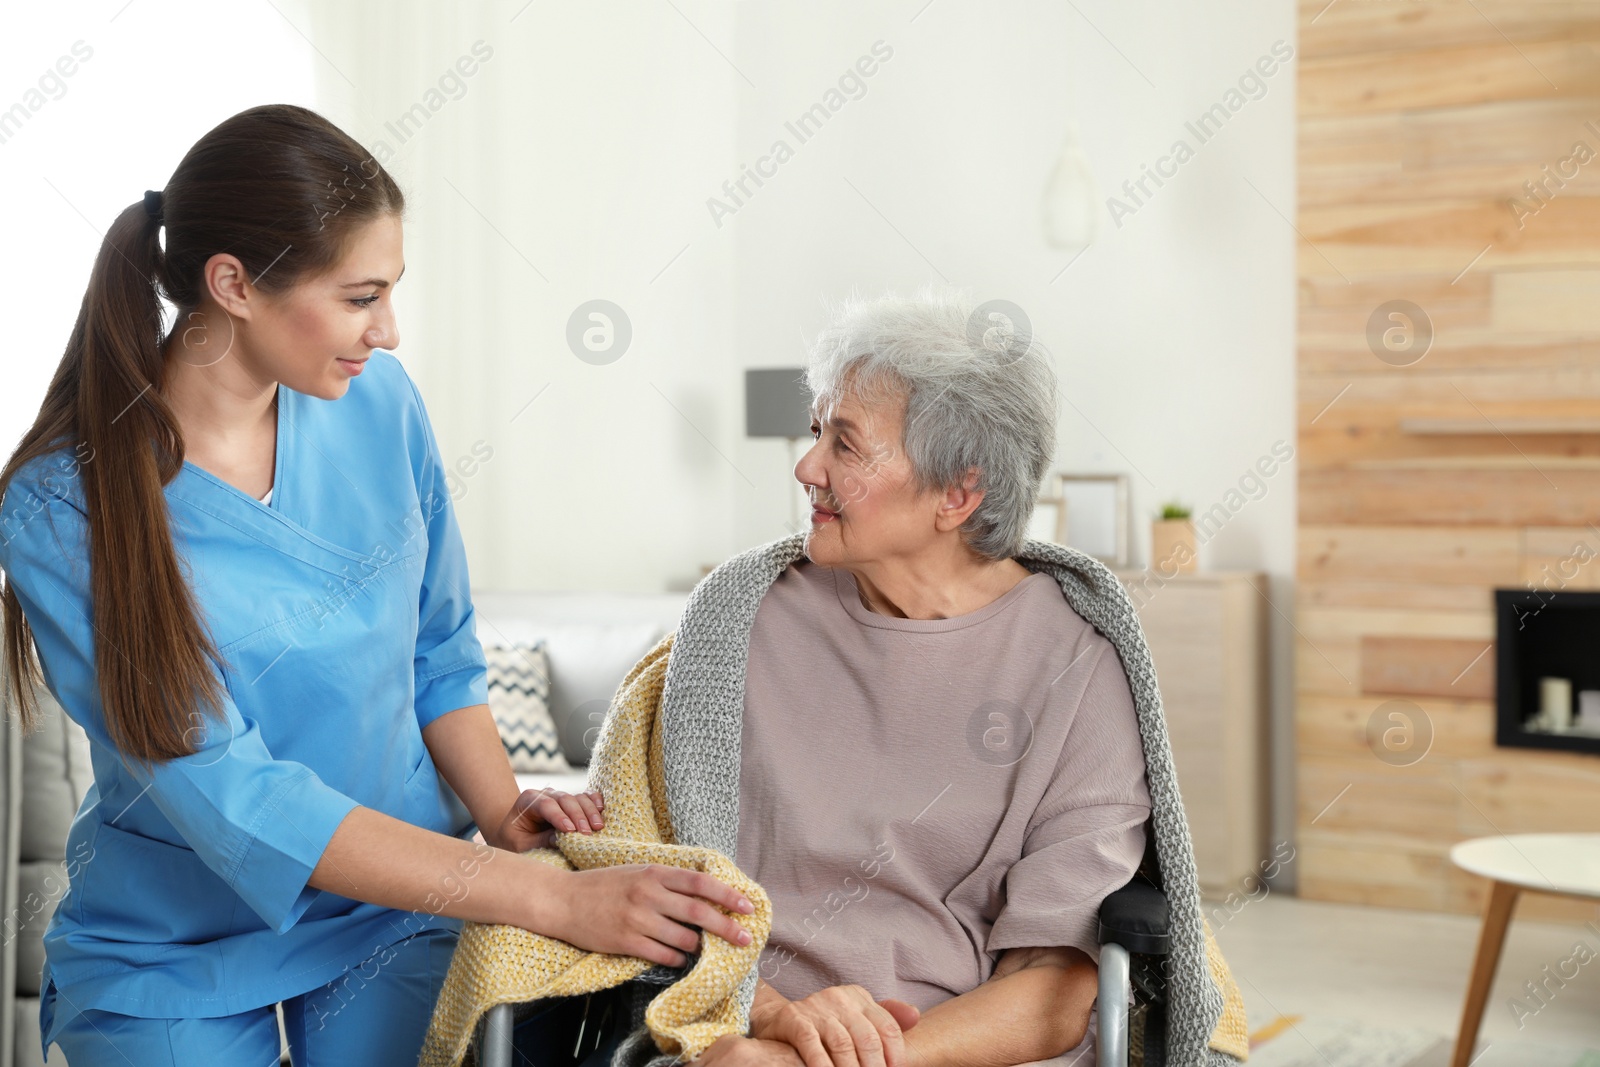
{"points": [[777, 403], [1070, 204]]}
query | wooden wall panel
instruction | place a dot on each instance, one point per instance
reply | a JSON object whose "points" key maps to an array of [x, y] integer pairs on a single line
{"points": [[1421, 596], [1422, 488], [1445, 236], [1337, 310], [1336, 29], [1565, 302], [1457, 350], [1368, 83], [1427, 666], [1335, 729], [1451, 153], [1516, 493], [1481, 555]]}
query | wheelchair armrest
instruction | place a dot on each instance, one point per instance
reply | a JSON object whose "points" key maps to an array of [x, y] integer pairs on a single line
{"points": [[1135, 917]]}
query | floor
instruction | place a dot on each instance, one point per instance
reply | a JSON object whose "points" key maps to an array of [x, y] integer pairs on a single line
{"points": [[1408, 970]]}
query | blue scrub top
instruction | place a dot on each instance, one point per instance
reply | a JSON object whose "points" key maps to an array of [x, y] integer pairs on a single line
{"points": [[345, 626]]}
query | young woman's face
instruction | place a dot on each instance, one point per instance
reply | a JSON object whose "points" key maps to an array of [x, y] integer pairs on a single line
{"points": [[316, 336]]}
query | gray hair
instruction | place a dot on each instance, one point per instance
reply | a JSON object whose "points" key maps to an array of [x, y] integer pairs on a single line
{"points": [[968, 403]]}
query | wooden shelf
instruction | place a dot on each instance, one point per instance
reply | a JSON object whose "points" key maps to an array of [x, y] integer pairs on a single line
{"points": [[1207, 633]]}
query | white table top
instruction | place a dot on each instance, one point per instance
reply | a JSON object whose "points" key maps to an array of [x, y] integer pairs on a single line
{"points": [[1551, 863]]}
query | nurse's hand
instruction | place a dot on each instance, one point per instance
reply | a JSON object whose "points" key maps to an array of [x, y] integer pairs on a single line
{"points": [[539, 814], [648, 910]]}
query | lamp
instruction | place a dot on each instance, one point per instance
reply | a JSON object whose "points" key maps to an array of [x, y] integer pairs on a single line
{"points": [[1070, 203], [778, 404]]}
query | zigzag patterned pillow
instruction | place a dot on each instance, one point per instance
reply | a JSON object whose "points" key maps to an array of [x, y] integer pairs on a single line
{"points": [[519, 697]]}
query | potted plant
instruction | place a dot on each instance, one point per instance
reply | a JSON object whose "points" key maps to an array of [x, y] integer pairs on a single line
{"points": [[1172, 545]]}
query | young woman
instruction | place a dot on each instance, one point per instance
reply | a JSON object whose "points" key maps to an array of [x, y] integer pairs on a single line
{"points": [[231, 548]]}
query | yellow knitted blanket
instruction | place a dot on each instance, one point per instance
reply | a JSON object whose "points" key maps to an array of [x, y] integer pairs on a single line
{"points": [[1231, 1035], [506, 964], [496, 965]]}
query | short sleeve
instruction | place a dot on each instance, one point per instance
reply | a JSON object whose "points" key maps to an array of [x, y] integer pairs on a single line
{"points": [[1087, 836], [261, 824], [451, 672]]}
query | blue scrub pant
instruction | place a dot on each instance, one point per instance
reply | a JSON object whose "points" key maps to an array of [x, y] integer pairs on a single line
{"points": [[353, 1021]]}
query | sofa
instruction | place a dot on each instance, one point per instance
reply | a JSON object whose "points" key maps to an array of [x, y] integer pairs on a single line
{"points": [[46, 777], [591, 640]]}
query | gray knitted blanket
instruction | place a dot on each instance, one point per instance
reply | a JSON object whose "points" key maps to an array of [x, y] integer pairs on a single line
{"points": [[702, 711]]}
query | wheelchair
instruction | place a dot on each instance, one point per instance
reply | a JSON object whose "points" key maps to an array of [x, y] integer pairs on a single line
{"points": [[1133, 947], [1133, 951]]}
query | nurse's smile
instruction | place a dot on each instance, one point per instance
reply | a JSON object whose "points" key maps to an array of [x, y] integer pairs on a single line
{"points": [[352, 366]]}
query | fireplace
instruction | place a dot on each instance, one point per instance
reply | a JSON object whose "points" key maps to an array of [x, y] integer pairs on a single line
{"points": [[1547, 656]]}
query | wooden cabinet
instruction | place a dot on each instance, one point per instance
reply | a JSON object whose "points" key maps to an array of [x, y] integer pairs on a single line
{"points": [[1207, 634]]}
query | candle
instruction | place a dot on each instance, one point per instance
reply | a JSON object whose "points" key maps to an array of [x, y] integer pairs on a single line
{"points": [[1555, 703], [1589, 711]]}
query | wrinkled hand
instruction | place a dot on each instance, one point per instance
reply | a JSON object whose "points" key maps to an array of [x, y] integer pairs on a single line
{"points": [[841, 1026], [539, 814], [731, 1051]]}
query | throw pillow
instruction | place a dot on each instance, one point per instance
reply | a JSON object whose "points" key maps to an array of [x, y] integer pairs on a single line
{"points": [[519, 697]]}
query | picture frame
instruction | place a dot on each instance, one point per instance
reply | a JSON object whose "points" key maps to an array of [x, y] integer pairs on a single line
{"points": [[1096, 515], [1049, 520]]}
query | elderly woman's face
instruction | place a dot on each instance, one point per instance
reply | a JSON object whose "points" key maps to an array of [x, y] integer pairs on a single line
{"points": [[864, 503]]}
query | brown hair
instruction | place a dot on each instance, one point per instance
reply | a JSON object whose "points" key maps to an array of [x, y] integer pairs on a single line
{"points": [[281, 188]]}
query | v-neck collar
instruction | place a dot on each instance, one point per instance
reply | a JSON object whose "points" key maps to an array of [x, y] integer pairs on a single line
{"points": [[280, 444], [272, 524]]}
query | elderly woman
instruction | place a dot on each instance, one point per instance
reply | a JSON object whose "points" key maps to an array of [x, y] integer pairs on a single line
{"points": [[931, 748], [940, 771]]}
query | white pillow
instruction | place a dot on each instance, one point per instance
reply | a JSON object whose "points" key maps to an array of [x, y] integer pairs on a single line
{"points": [[519, 697], [587, 664]]}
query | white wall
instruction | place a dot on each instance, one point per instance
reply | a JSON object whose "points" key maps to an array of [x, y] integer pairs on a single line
{"points": [[570, 168], [159, 74], [576, 161]]}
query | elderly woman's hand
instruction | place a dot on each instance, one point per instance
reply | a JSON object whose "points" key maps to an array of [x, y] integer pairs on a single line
{"points": [[841, 1026], [539, 814], [732, 1051]]}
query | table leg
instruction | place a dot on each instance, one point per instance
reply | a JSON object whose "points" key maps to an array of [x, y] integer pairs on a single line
{"points": [[1496, 917]]}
